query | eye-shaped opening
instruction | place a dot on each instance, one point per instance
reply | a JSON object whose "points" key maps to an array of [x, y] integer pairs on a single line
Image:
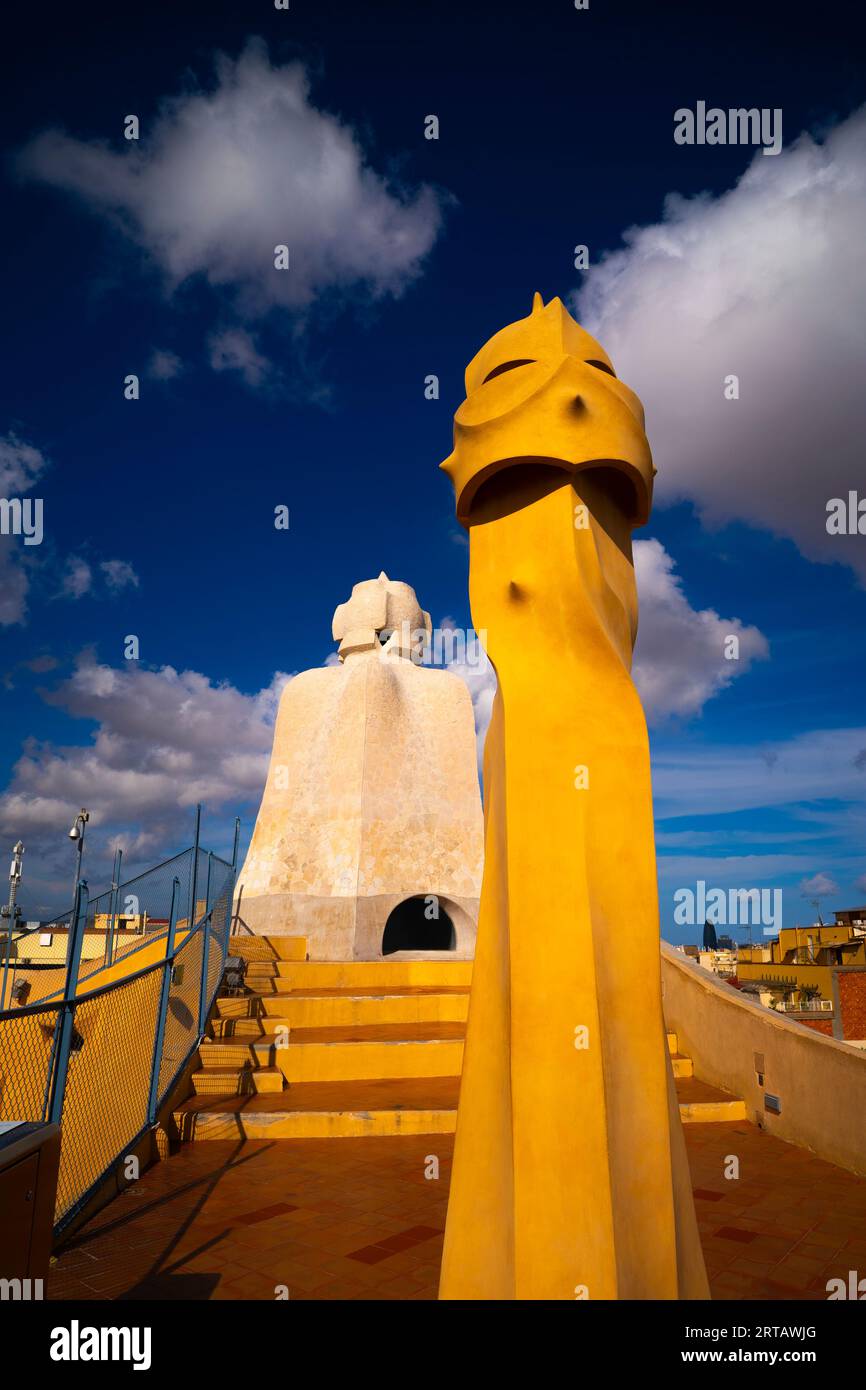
{"points": [[602, 367], [507, 367]]}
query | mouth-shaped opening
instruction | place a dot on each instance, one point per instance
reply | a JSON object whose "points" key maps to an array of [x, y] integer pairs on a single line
{"points": [[611, 489]]}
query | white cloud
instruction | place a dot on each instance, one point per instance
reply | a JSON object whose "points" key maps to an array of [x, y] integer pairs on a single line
{"points": [[480, 678], [164, 740], [234, 350], [20, 466], [78, 578], [812, 767], [164, 365], [119, 574], [224, 176], [680, 660], [14, 586], [818, 886], [768, 282]]}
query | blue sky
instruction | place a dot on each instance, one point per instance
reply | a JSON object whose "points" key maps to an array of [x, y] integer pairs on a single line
{"points": [[556, 128]]}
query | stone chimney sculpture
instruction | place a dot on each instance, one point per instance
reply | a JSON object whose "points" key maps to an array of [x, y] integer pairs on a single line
{"points": [[368, 839], [570, 1176]]}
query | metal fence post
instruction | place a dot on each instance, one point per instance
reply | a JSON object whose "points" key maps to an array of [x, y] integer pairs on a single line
{"points": [[8, 957], [205, 952], [234, 909], [165, 990], [193, 878], [66, 1014], [232, 885], [115, 889]]}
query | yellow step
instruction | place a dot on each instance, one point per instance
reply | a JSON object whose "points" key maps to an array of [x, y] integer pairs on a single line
{"points": [[213, 1082], [228, 1029], [250, 948], [288, 948], [373, 1124], [702, 1104], [343, 1009], [233, 1006], [673, 1043], [683, 1066], [254, 948], [369, 1061], [709, 1112], [225, 1056], [367, 975], [327, 1111], [267, 1080]]}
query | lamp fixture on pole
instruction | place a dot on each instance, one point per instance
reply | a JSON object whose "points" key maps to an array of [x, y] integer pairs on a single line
{"points": [[77, 834]]}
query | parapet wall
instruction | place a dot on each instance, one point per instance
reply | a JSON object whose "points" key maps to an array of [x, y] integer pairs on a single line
{"points": [[820, 1083]]}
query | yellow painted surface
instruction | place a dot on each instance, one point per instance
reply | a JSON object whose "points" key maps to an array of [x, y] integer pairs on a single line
{"points": [[313, 974], [267, 1080], [820, 1083], [570, 1169], [333, 1011], [804, 977], [712, 1112], [366, 1061], [288, 947], [322, 1124], [682, 1066]]}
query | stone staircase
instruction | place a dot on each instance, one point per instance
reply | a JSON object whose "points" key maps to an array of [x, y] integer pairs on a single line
{"points": [[321, 1049]]}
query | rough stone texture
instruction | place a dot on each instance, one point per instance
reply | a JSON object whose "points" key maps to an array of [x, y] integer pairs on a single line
{"points": [[372, 794], [852, 1000]]}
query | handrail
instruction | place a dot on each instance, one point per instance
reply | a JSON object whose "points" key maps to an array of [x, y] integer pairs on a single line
{"points": [[79, 1053], [43, 1005]]}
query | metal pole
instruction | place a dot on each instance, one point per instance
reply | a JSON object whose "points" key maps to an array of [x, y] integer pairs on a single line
{"points": [[115, 889], [79, 826], [234, 910], [193, 878], [205, 952], [66, 1014], [6, 963], [13, 912], [165, 990]]}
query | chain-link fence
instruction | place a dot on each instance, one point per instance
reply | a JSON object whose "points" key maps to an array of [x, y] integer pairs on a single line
{"points": [[124, 919], [101, 1057]]}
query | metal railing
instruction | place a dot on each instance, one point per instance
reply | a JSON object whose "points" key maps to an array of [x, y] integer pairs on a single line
{"points": [[101, 1062], [807, 1006]]}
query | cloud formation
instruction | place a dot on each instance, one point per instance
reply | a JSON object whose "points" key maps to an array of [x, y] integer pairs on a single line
{"points": [[80, 580], [164, 365], [223, 176], [21, 464], [234, 350], [164, 740], [820, 885], [680, 660], [766, 282]]}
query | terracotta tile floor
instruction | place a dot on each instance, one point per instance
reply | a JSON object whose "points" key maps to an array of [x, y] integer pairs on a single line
{"points": [[357, 1219]]}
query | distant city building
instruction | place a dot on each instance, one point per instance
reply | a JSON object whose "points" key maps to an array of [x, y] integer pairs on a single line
{"points": [[720, 960], [814, 974]]}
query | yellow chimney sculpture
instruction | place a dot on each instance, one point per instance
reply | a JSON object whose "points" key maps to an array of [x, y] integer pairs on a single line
{"points": [[570, 1176]]}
